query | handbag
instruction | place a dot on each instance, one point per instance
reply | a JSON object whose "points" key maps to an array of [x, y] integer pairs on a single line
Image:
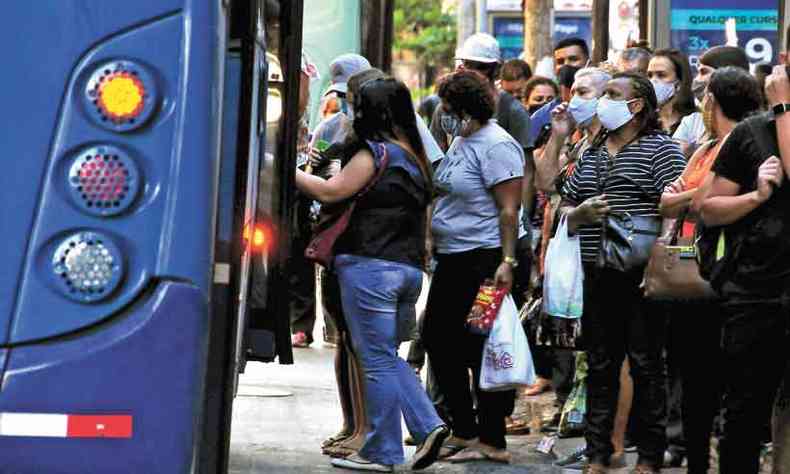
{"points": [[332, 224], [544, 330], [626, 239], [672, 273]]}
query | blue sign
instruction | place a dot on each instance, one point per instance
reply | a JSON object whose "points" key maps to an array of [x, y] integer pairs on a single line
{"points": [[697, 27], [572, 27], [509, 31]]}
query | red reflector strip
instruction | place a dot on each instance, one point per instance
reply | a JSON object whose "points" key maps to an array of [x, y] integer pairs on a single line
{"points": [[65, 426], [99, 426]]}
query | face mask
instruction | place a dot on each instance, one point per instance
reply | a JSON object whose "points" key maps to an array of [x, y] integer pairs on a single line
{"points": [[613, 114], [534, 108], [582, 110], [452, 125], [664, 91], [698, 88]]}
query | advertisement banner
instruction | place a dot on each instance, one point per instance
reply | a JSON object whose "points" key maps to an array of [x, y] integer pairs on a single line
{"points": [[509, 31], [696, 26]]}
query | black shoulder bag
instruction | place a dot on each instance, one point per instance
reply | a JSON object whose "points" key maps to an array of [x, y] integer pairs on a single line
{"points": [[626, 239]]}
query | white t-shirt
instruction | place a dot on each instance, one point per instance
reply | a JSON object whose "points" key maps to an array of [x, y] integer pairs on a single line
{"points": [[691, 129]]}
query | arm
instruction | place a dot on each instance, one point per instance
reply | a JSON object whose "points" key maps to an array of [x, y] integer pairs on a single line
{"points": [[528, 184], [547, 165], [351, 179], [676, 198], [777, 91], [507, 195], [724, 205]]}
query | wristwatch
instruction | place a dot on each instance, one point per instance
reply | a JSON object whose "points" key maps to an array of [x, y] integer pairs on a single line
{"points": [[779, 109], [510, 261]]}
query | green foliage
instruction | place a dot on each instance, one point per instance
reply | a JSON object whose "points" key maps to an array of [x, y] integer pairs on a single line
{"points": [[423, 28]]}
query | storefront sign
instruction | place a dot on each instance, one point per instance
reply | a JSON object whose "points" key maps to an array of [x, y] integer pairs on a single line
{"points": [[509, 31], [696, 26]]}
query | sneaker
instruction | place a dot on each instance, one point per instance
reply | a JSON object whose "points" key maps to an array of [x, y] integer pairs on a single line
{"points": [[574, 461], [358, 463], [300, 340], [428, 452]]}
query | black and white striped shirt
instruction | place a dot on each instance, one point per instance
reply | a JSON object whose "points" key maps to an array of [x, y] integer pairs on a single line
{"points": [[638, 176]]}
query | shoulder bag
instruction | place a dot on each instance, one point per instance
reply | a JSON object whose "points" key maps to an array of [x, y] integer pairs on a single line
{"points": [[626, 239], [332, 225], [672, 273]]}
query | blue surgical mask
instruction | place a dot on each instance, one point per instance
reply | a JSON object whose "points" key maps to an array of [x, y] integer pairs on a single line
{"points": [[613, 114], [452, 125], [582, 110], [664, 90]]}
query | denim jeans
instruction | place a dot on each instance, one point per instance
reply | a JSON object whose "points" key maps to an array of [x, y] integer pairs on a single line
{"points": [[378, 296]]}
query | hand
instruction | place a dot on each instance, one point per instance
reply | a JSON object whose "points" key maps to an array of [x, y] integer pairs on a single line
{"points": [[504, 276], [562, 123], [777, 86], [676, 187], [592, 211], [769, 177]]}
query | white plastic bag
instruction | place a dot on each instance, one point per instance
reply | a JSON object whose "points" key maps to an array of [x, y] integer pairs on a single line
{"points": [[507, 360], [563, 279]]}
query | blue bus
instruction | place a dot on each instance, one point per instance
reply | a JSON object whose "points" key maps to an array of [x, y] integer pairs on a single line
{"points": [[146, 195]]}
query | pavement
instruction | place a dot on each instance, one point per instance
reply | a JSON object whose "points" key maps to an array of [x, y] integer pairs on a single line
{"points": [[282, 414]]}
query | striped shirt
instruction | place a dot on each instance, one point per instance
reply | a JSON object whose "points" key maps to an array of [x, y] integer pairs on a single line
{"points": [[639, 173]]}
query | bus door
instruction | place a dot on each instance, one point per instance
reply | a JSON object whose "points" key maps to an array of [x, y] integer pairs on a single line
{"points": [[109, 210]]}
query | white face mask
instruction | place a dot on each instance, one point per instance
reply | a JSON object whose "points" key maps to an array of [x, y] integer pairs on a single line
{"points": [[582, 110], [613, 114], [664, 90]]}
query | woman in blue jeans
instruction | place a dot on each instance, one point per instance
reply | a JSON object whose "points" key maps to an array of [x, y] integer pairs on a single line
{"points": [[378, 262]]}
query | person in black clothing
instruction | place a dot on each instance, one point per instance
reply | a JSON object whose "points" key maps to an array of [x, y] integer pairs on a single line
{"points": [[694, 336], [624, 173], [750, 198]]}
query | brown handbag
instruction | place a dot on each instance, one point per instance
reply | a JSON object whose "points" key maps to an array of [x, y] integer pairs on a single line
{"points": [[672, 272], [332, 224]]}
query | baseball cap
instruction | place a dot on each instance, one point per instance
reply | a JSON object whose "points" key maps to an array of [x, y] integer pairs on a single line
{"points": [[480, 47], [342, 68]]}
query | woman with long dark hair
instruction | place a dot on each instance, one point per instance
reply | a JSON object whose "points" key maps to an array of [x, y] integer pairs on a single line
{"points": [[378, 262], [621, 175], [670, 75]]}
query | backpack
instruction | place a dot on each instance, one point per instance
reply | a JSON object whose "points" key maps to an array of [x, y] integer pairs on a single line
{"points": [[717, 246]]}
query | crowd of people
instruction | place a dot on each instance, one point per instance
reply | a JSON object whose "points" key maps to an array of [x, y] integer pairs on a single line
{"points": [[471, 186]]}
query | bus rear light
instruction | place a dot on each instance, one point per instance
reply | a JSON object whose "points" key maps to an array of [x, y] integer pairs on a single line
{"points": [[103, 180], [88, 266], [258, 236], [121, 95]]}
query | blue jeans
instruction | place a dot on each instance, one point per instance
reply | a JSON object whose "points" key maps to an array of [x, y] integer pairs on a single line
{"points": [[378, 295]]}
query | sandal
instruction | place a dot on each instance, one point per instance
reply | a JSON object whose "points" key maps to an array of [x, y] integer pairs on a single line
{"points": [[478, 454], [517, 427], [335, 439], [453, 445]]}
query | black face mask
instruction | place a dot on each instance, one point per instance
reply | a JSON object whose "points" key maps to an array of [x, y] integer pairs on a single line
{"points": [[534, 108]]}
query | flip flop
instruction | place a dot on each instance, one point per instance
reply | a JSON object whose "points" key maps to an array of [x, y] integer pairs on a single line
{"points": [[335, 439], [517, 427], [467, 455], [449, 450]]}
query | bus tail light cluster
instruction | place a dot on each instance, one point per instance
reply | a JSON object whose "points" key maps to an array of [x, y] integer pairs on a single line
{"points": [[121, 95], [103, 181], [88, 266]]}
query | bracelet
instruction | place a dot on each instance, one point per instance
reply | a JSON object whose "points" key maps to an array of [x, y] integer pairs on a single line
{"points": [[510, 261]]}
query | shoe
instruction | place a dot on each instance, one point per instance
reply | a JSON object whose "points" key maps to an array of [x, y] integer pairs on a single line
{"points": [[358, 463], [410, 441], [428, 452], [516, 427], [576, 460], [630, 447], [299, 339], [673, 458]]}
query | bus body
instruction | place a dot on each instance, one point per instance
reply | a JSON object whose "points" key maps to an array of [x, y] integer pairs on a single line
{"points": [[134, 140]]}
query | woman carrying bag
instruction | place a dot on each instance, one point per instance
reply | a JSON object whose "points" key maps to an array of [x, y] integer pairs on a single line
{"points": [[732, 94], [475, 226], [612, 202], [378, 260]]}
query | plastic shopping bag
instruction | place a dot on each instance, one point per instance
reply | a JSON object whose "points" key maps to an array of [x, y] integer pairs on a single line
{"points": [[563, 281], [574, 411], [507, 360]]}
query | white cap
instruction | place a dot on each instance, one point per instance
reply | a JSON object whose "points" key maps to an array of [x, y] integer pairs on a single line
{"points": [[342, 68], [480, 47]]}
